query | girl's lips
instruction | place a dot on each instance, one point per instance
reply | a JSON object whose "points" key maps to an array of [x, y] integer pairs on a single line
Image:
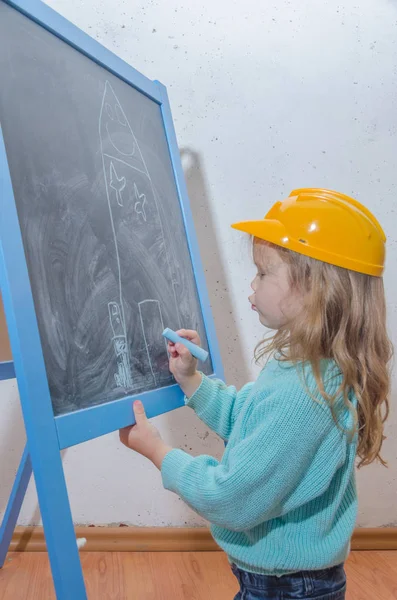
{"points": [[253, 306]]}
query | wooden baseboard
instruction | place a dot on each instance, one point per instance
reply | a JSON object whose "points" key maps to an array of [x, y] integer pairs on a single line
{"points": [[172, 539], [375, 538], [123, 539]]}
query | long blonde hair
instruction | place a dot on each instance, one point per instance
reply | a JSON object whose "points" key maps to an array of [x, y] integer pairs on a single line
{"points": [[344, 319]]}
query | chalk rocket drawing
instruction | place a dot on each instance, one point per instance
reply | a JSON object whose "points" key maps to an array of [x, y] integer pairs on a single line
{"points": [[117, 184], [123, 164], [123, 375], [140, 202]]}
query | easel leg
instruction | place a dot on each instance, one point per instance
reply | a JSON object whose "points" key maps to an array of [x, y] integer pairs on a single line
{"points": [[58, 525], [14, 504]]}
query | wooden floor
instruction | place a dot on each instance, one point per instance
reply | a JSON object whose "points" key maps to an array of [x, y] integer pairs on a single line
{"points": [[175, 576]]}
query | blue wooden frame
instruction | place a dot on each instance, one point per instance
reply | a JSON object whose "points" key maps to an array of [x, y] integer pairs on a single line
{"points": [[47, 434], [85, 424]]}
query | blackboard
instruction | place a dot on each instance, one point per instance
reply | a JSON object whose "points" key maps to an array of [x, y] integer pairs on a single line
{"points": [[100, 218]]}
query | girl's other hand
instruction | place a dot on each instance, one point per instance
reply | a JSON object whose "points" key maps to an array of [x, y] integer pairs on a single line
{"points": [[143, 437]]}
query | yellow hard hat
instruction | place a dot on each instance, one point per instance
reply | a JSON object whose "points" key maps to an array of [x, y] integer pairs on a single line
{"points": [[324, 225]]}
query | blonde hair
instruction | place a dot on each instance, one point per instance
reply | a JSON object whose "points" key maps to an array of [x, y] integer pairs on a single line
{"points": [[343, 318]]}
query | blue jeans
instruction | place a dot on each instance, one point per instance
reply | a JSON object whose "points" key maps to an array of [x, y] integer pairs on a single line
{"points": [[327, 584]]}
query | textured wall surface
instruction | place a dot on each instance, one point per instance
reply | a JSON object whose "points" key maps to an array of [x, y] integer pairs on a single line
{"points": [[266, 97]]}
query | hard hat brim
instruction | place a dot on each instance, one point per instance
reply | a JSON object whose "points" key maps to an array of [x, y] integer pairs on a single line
{"points": [[274, 232], [266, 229]]}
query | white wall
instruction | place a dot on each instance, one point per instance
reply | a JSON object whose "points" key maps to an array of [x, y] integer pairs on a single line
{"points": [[266, 97]]}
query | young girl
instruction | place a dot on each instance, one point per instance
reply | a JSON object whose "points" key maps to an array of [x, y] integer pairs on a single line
{"points": [[282, 502]]}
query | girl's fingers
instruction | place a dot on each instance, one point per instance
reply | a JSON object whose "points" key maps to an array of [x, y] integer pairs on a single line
{"points": [[186, 333], [189, 334], [171, 349], [176, 350], [139, 412], [184, 353], [182, 350]]}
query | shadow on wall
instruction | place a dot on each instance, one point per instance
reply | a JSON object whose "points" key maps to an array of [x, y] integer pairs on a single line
{"points": [[221, 305], [180, 424]]}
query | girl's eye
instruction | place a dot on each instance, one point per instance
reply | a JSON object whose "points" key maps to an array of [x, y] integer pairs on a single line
{"points": [[260, 275]]}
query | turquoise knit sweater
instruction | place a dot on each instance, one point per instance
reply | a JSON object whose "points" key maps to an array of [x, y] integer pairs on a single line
{"points": [[283, 497]]}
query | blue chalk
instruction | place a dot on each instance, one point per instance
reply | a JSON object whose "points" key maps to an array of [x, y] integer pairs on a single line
{"points": [[194, 349]]}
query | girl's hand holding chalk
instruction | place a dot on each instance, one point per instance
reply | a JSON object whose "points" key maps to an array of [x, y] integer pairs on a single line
{"points": [[183, 365], [193, 348]]}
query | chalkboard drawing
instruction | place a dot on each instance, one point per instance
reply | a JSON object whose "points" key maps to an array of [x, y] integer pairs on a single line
{"points": [[156, 346], [123, 375], [117, 184], [140, 202], [137, 246], [116, 309]]}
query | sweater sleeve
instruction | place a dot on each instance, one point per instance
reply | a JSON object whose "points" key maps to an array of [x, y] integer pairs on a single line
{"points": [[217, 404], [289, 456]]}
